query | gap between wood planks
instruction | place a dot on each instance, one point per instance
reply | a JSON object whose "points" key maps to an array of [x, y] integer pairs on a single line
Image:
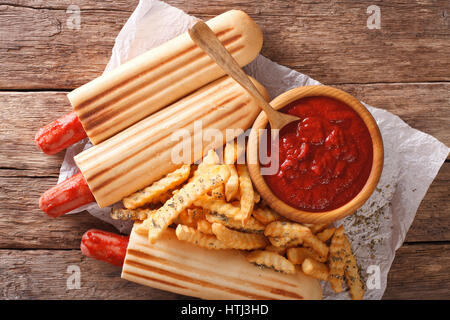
{"points": [[15, 5], [67, 90], [329, 41], [40, 274]]}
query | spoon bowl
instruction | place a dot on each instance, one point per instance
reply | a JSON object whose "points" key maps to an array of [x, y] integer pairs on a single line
{"points": [[302, 216]]}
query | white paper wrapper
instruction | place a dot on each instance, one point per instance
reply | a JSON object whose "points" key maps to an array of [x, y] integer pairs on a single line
{"points": [[412, 158]]}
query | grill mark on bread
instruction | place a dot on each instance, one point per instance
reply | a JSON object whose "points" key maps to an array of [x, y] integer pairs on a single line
{"points": [[98, 174], [145, 256], [146, 145], [285, 293], [167, 113], [223, 32], [106, 114], [153, 279], [112, 179], [279, 281], [202, 283], [85, 103], [100, 114]]}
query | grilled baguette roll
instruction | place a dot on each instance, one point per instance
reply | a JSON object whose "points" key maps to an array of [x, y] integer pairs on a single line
{"points": [[153, 80], [142, 154], [184, 268]]}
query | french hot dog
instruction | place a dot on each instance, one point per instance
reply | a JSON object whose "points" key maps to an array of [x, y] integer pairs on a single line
{"points": [[149, 82], [184, 268], [105, 246], [66, 196], [60, 134], [140, 155]]}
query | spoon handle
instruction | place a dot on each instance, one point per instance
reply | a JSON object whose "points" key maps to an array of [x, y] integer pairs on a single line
{"points": [[205, 38]]}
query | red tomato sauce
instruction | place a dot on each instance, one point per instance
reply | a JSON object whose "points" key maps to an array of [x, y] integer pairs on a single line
{"points": [[324, 159]]}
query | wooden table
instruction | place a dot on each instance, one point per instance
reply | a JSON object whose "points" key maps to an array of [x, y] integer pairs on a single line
{"points": [[403, 67]]}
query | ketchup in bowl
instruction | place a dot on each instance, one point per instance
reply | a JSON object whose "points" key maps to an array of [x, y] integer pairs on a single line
{"points": [[324, 159]]}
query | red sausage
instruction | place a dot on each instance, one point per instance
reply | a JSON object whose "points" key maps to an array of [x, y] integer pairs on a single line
{"points": [[105, 246], [66, 196], [60, 134]]}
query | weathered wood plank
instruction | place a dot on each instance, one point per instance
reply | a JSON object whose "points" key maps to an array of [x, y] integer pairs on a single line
{"points": [[424, 106], [329, 41], [25, 172], [42, 274], [23, 225], [110, 5], [38, 50], [418, 272], [23, 113], [432, 222]]}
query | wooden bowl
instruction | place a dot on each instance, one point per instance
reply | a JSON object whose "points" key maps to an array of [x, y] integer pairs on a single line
{"points": [[294, 213]]}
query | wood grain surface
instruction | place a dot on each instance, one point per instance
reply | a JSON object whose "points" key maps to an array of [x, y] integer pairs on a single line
{"points": [[43, 274], [403, 68], [328, 40]]}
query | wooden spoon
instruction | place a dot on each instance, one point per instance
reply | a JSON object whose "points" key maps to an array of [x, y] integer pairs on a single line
{"points": [[205, 38]]}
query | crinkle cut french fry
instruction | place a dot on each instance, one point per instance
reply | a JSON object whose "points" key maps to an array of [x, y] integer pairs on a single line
{"points": [[232, 185], [210, 159], [233, 151], [285, 242], [265, 215], [326, 234], [298, 255], [238, 240], [351, 272], [219, 207], [252, 226], [184, 219], [190, 217], [293, 231], [312, 241], [279, 250], [219, 192], [271, 260], [196, 213], [315, 228], [230, 152], [198, 238], [315, 269], [199, 185], [247, 193], [316, 256], [280, 242], [158, 188], [336, 260], [294, 243], [204, 227], [286, 229], [229, 157], [131, 214]]}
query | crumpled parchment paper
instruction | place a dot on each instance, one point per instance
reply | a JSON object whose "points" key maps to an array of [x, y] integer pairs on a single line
{"points": [[412, 158]]}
